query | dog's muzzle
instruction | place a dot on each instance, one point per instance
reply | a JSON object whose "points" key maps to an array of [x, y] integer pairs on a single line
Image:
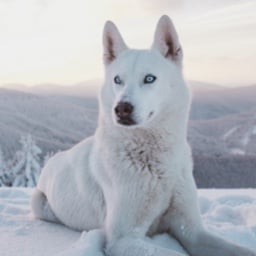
{"points": [[124, 111]]}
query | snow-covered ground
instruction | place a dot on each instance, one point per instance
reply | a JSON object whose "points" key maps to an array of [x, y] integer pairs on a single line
{"points": [[229, 213]]}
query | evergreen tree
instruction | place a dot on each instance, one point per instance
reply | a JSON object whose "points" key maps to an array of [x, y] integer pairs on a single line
{"points": [[2, 168], [6, 177], [26, 169]]}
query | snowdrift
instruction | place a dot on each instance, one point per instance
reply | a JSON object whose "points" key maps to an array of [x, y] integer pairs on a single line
{"points": [[228, 213]]}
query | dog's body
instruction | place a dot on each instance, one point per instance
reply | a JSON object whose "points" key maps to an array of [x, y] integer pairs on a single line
{"points": [[133, 178]]}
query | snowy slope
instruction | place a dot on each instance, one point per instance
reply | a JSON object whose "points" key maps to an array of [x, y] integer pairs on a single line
{"points": [[56, 122], [228, 213]]}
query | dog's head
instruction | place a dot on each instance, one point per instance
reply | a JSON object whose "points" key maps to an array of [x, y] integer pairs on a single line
{"points": [[142, 85]]}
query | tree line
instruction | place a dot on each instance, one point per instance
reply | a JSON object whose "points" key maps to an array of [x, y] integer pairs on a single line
{"points": [[225, 171], [25, 166], [210, 171]]}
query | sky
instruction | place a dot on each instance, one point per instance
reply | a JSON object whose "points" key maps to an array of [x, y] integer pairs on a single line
{"points": [[60, 41]]}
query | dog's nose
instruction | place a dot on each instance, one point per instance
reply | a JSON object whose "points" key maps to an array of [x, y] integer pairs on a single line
{"points": [[123, 109]]}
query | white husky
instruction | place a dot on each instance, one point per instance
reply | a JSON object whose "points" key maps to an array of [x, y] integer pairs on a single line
{"points": [[133, 178]]}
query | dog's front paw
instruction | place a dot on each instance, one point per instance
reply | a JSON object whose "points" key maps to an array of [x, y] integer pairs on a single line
{"points": [[91, 243]]}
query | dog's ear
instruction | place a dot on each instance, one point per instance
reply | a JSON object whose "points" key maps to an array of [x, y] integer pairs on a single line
{"points": [[113, 42], [166, 40]]}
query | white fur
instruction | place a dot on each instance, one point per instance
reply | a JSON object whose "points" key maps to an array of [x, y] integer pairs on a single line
{"points": [[134, 181]]}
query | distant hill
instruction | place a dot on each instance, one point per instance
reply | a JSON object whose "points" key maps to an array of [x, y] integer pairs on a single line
{"points": [[223, 121], [232, 134], [60, 116], [215, 103], [88, 88], [56, 122], [198, 86]]}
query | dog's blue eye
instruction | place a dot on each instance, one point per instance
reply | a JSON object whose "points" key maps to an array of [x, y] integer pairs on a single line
{"points": [[149, 79], [117, 80]]}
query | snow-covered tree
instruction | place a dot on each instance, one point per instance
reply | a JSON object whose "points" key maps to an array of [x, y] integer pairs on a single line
{"points": [[6, 176], [2, 168], [26, 168]]}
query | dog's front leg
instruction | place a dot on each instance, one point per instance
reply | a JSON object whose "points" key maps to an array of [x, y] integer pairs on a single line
{"points": [[131, 246], [130, 213], [184, 222]]}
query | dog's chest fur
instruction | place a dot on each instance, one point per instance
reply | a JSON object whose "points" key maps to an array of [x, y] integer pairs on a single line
{"points": [[141, 154]]}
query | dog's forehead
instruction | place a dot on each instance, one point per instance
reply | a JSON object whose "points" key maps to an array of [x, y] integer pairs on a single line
{"points": [[139, 61]]}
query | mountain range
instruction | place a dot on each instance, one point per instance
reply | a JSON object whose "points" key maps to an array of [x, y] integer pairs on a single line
{"points": [[222, 120]]}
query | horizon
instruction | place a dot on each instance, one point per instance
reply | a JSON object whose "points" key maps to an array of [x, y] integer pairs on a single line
{"points": [[91, 88], [59, 42]]}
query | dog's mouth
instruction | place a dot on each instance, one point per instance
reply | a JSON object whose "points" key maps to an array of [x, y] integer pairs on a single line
{"points": [[129, 121], [126, 121]]}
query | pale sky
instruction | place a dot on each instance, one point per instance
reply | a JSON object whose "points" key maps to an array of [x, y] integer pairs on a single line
{"points": [[60, 41]]}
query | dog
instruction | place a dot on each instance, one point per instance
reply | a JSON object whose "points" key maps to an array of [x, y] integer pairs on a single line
{"points": [[133, 178]]}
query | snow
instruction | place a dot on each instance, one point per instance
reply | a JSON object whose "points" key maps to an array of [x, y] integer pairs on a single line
{"points": [[230, 214], [254, 130], [246, 138], [27, 168], [229, 132], [237, 151]]}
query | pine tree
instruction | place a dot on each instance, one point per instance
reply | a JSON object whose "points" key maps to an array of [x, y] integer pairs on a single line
{"points": [[2, 168], [26, 169], [6, 176]]}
